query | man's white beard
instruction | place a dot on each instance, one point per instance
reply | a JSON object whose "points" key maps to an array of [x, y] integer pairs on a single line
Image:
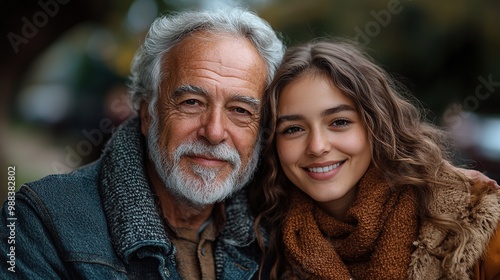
{"points": [[205, 187]]}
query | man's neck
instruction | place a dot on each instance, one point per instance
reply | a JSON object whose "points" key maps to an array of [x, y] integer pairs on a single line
{"points": [[178, 215]]}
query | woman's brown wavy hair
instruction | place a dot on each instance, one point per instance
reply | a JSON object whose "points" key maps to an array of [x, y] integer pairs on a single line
{"points": [[406, 149]]}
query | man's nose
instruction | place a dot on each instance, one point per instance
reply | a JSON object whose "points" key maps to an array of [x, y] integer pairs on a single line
{"points": [[214, 126]]}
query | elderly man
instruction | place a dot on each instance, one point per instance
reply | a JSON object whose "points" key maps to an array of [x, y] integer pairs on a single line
{"points": [[166, 198]]}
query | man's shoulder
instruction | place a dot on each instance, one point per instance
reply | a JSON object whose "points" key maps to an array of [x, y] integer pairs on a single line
{"points": [[64, 199], [59, 192], [66, 209], [84, 178]]}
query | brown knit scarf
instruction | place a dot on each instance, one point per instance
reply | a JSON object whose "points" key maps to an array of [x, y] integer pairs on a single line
{"points": [[373, 242]]}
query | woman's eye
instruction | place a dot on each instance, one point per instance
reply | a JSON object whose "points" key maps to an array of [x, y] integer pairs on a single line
{"points": [[291, 130], [341, 123]]}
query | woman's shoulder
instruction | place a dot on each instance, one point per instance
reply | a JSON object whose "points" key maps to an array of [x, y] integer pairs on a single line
{"points": [[461, 196], [489, 266], [475, 208]]}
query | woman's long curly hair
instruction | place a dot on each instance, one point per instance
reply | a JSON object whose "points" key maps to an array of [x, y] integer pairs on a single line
{"points": [[406, 149]]}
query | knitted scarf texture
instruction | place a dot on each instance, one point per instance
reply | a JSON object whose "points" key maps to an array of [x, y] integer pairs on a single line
{"points": [[374, 241]]}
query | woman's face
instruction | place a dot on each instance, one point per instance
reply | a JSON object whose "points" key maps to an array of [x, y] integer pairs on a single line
{"points": [[322, 144]]}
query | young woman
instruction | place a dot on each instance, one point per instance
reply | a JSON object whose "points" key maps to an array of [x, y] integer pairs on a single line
{"points": [[356, 185]]}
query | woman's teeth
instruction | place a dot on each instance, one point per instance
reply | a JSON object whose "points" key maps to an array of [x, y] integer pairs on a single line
{"points": [[324, 169]]}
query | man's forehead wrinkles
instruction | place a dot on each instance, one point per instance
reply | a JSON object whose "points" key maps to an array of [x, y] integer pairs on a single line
{"points": [[238, 81], [219, 65]]}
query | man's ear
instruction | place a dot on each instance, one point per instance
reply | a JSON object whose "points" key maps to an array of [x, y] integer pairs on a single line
{"points": [[145, 118]]}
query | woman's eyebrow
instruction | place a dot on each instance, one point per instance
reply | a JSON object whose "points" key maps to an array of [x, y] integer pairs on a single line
{"points": [[334, 110], [285, 118], [326, 112]]}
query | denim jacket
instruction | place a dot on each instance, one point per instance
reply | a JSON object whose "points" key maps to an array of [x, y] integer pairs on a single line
{"points": [[100, 222]]}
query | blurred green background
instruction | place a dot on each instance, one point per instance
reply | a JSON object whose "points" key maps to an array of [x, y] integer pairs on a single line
{"points": [[65, 64]]}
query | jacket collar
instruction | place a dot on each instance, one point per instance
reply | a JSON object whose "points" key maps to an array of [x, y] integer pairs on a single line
{"points": [[129, 204]]}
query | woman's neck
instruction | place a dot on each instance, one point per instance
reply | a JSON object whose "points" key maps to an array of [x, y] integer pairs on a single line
{"points": [[339, 207]]}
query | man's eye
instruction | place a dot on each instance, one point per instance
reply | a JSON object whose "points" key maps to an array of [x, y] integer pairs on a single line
{"points": [[242, 116], [242, 111], [190, 106], [191, 102]]}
